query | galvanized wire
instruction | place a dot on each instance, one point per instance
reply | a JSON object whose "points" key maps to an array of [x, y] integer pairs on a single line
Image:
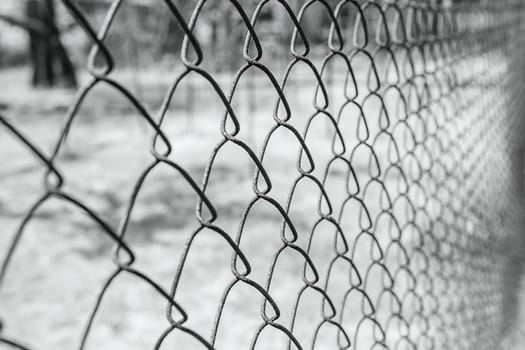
{"points": [[426, 139]]}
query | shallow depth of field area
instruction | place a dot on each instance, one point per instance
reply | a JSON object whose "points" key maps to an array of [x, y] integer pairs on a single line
{"points": [[337, 198], [63, 258]]}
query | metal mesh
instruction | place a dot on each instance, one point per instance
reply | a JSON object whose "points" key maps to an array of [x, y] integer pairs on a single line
{"points": [[397, 155]]}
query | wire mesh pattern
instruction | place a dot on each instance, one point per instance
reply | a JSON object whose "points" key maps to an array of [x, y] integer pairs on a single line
{"points": [[417, 105]]}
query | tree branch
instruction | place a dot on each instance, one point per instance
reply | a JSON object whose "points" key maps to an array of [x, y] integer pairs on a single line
{"points": [[30, 25]]}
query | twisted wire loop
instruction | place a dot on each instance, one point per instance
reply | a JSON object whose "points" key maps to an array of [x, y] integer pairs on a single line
{"points": [[394, 122]]}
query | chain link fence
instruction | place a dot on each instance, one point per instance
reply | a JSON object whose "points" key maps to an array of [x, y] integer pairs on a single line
{"points": [[365, 195]]}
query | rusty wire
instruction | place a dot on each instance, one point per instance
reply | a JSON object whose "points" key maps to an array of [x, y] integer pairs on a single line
{"points": [[437, 212]]}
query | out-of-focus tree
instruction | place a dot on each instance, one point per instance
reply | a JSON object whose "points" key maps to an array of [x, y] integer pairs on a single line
{"points": [[50, 61]]}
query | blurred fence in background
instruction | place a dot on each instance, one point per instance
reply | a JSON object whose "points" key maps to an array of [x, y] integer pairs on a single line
{"points": [[378, 136]]}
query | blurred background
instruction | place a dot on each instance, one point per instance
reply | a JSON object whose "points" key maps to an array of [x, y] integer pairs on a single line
{"points": [[63, 259]]}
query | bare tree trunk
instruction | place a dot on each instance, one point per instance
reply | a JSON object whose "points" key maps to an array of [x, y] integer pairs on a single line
{"points": [[51, 64]]}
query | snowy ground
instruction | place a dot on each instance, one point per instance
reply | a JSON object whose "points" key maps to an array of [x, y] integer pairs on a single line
{"points": [[63, 259]]}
